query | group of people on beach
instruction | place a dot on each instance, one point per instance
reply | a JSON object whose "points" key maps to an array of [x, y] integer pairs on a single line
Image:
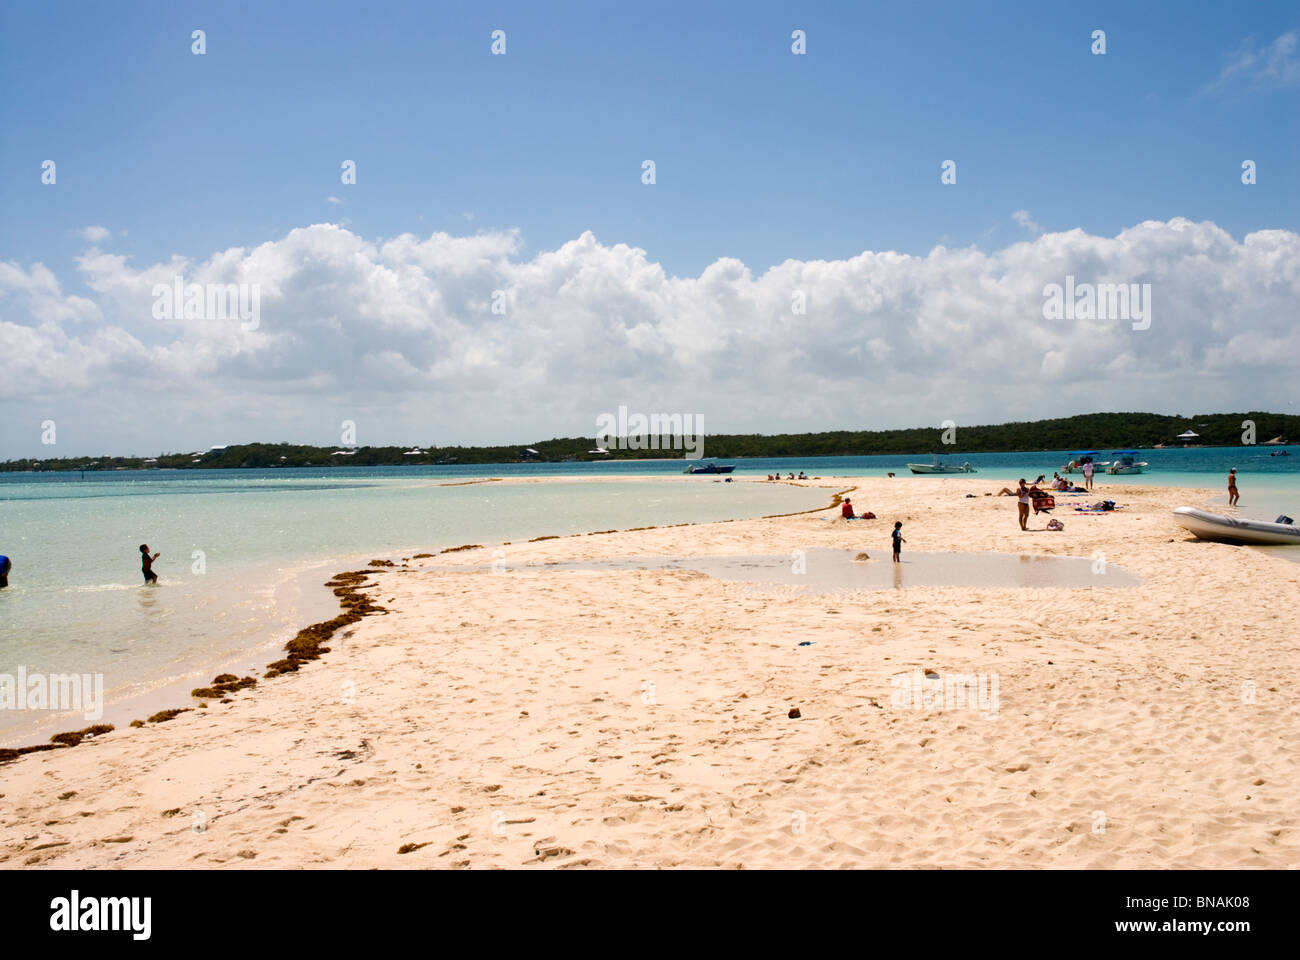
{"points": [[791, 476], [847, 512]]}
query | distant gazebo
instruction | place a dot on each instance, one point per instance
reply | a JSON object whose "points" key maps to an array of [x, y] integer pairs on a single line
{"points": [[1188, 436]]}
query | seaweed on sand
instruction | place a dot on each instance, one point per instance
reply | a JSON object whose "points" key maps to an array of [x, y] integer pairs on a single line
{"points": [[309, 643], [73, 737], [226, 683]]}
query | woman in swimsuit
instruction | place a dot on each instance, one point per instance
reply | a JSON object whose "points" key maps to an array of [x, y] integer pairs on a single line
{"points": [[1022, 506], [1232, 487]]}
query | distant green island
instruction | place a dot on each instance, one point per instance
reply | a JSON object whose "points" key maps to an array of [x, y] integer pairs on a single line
{"points": [[1100, 431]]}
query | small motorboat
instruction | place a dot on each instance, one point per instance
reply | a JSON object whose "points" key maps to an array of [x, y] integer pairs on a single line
{"points": [[1213, 526], [1079, 457], [937, 467], [709, 468], [1126, 461], [1280, 453]]}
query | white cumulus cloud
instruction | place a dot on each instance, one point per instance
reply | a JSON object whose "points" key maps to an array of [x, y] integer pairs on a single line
{"points": [[443, 339]]}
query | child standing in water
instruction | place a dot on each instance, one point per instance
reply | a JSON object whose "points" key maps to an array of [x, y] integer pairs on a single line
{"points": [[898, 539], [146, 564]]}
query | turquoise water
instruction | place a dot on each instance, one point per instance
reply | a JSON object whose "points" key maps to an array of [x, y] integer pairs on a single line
{"points": [[243, 556], [1261, 476]]}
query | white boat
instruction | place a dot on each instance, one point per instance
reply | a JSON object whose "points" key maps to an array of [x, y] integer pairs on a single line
{"points": [[1212, 526], [1126, 461], [938, 467], [1079, 458]]}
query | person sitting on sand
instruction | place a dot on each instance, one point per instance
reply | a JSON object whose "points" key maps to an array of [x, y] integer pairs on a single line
{"points": [[801, 475], [5, 567], [1022, 505], [146, 564], [1041, 478], [846, 511]]}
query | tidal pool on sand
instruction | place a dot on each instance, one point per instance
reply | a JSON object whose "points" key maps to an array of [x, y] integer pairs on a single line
{"points": [[823, 570]]}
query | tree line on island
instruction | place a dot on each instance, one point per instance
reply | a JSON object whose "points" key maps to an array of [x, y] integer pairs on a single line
{"points": [[1099, 431]]}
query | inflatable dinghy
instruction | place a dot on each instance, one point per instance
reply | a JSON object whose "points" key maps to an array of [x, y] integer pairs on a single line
{"points": [[1212, 526]]}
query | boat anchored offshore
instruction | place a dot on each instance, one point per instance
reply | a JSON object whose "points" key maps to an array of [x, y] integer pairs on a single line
{"points": [[937, 467], [1079, 457], [709, 468], [1213, 526], [1126, 461]]}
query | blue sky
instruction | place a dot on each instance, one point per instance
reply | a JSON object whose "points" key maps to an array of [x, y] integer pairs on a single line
{"points": [[760, 154], [778, 176]]}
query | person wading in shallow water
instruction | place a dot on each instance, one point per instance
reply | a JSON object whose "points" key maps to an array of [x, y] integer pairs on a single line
{"points": [[146, 564], [1232, 487]]}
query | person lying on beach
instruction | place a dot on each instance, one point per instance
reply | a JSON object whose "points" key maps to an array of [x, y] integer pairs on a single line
{"points": [[146, 564], [5, 567], [1006, 492]]}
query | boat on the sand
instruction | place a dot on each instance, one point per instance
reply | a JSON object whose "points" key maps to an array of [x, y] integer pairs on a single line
{"points": [[1213, 526]]}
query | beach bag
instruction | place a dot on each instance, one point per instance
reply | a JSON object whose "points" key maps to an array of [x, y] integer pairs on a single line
{"points": [[1055, 525], [867, 516]]}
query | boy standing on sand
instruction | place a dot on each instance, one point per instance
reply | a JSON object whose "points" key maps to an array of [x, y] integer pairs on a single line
{"points": [[1232, 487], [146, 564], [898, 539], [1087, 474]]}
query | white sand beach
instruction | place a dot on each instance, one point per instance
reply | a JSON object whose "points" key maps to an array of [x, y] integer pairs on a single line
{"points": [[614, 718]]}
